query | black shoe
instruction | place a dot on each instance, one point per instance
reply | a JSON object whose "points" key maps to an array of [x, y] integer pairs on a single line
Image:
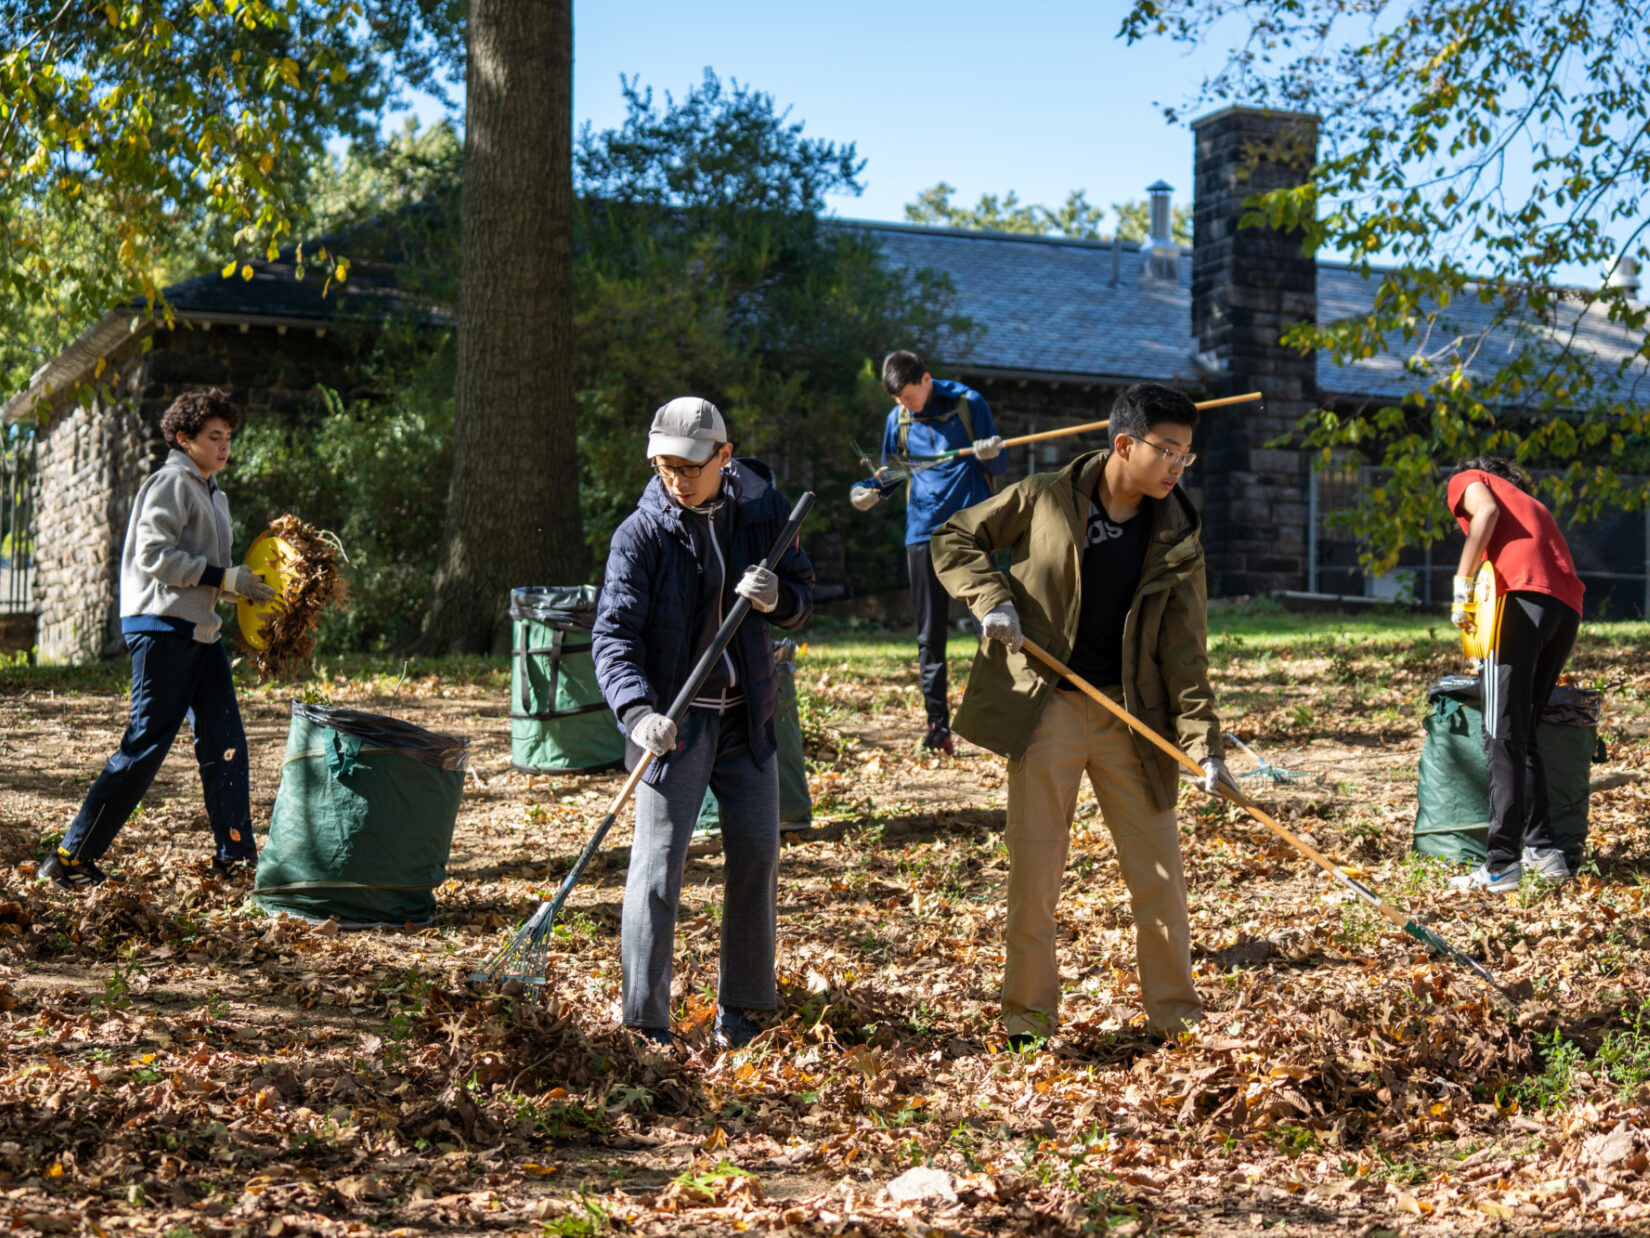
{"points": [[734, 1030], [1021, 1041], [70, 874], [225, 869], [939, 739]]}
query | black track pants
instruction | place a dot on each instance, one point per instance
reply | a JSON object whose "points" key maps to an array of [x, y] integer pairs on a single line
{"points": [[1537, 633], [930, 605]]}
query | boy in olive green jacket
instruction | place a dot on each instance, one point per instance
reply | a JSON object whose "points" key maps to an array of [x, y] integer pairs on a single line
{"points": [[1106, 573]]}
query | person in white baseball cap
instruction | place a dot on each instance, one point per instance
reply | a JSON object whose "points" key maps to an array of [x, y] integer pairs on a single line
{"points": [[694, 542]]}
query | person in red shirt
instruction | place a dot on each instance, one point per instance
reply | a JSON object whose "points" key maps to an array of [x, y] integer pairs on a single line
{"points": [[1540, 615]]}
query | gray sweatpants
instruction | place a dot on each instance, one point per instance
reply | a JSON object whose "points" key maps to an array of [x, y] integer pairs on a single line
{"points": [[715, 752]]}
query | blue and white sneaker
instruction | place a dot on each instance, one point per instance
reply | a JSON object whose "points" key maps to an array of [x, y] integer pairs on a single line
{"points": [[1504, 882], [1548, 862]]}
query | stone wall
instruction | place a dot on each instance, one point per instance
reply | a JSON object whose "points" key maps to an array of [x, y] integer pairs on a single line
{"points": [[1249, 286], [93, 458]]}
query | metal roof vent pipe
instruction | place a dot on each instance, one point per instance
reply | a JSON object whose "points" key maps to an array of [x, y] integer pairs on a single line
{"points": [[1626, 276], [1159, 255]]}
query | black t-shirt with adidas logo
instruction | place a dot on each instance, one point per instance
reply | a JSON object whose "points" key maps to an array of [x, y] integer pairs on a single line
{"points": [[1113, 555]]}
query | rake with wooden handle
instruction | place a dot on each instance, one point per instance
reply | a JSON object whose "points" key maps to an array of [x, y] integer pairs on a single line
{"points": [[523, 957], [904, 463], [1418, 931]]}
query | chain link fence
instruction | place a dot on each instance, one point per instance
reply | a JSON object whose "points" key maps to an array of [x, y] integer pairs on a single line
{"points": [[1611, 552]]}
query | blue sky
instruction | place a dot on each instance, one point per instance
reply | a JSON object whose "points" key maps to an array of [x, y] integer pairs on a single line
{"points": [[1038, 96]]}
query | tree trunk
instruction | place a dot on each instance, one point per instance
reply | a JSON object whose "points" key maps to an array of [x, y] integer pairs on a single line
{"points": [[513, 507]]}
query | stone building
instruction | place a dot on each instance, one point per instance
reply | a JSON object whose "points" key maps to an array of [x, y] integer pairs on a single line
{"points": [[270, 341], [1062, 326]]}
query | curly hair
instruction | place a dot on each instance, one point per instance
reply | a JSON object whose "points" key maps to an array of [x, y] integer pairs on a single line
{"points": [[1495, 466], [190, 412]]}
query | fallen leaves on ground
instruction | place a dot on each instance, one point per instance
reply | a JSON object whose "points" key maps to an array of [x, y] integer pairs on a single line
{"points": [[175, 1062]]}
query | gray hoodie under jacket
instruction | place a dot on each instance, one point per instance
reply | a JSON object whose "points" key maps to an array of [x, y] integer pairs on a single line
{"points": [[177, 547]]}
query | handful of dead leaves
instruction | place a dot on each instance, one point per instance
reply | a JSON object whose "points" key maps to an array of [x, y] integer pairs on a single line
{"points": [[310, 582]]}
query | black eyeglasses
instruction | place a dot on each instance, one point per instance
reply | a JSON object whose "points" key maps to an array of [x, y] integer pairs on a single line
{"points": [[1184, 458], [689, 471]]}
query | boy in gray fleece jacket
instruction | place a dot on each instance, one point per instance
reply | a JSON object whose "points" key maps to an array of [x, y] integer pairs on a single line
{"points": [[174, 568]]}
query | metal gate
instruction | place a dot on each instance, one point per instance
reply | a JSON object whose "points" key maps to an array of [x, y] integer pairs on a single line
{"points": [[17, 495]]}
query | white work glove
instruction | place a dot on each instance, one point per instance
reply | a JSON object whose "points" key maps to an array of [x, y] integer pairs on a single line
{"points": [[864, 497], [243, 582], [1460, 596], [988, 448], [1216, 776], [1003, 623], [761, 586], [655, 732]]}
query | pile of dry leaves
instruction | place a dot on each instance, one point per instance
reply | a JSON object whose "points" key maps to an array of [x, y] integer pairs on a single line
{"points": [[312, 582], [174, 1062]]}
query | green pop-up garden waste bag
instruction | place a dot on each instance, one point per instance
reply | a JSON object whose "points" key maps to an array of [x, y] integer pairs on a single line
{"points": [[796, 805], [1453, 800], [559, 722], [363, 820]]}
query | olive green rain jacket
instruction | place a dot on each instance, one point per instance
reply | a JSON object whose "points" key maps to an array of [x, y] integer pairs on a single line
{"points": [[1041, 522]]}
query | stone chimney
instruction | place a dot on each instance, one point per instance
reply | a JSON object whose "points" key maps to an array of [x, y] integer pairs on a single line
{"points": [[1159, 255], [1249, 286]]}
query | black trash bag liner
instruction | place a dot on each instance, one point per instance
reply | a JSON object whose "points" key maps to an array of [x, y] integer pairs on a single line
{"points": [[572, 608], [1567, 706], [390, 734]]}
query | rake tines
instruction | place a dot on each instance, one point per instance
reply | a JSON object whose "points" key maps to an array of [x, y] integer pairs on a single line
{"points": [[1274, 774], [523, 957]]}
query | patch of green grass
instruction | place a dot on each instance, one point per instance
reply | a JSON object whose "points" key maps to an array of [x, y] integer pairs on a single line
{"points": [[713, 1180], [1624, 1056], [1554, 1085], [1293, 1140], [592, 1220], [1359, 927], [1423, 874]]}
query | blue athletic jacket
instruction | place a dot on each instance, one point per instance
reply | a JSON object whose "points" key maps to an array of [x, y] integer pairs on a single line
{"points": [[647, 609], [940, 491]]}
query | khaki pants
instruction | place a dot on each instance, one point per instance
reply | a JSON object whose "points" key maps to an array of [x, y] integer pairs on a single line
{"points": [[1075, 735]]}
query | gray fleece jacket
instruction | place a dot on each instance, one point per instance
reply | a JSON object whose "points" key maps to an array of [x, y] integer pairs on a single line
{"points": [[177, 547]]}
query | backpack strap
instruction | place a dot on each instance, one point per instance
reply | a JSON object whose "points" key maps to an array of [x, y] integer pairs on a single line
{"points": [[902, 432], [962, 411]]}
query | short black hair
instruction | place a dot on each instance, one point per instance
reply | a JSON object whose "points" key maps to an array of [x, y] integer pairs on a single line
{"points": [[1496, 466], [901, 369], [189, 413], [1140, 407]]}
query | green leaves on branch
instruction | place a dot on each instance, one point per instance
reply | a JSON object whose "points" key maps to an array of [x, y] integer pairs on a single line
{"points": [[1076, 217], [141, 139], [703, 266], [1484, 167]]}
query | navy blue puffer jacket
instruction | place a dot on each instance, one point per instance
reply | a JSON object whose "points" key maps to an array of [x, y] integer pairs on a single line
{"points": [[648, 609]]}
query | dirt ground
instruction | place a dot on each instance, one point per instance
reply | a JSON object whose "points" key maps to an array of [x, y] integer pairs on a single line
{"points": [[178, 1063]]}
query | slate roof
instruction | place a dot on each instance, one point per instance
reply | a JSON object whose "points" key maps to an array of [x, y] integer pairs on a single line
{"points": [[275, 294], [1048, 306], [1343, 292], [1043, 307]]}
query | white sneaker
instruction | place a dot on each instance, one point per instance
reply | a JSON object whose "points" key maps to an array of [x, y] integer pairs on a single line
{"points": [[1548, 862], [1481, 878]]}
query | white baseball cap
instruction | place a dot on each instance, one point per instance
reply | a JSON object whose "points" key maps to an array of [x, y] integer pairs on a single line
{"points": [[687, 427]]}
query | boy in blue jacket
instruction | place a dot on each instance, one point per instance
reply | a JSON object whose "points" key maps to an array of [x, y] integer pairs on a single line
{"points": [[929, 418], [673, 570], [175, 567]]}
